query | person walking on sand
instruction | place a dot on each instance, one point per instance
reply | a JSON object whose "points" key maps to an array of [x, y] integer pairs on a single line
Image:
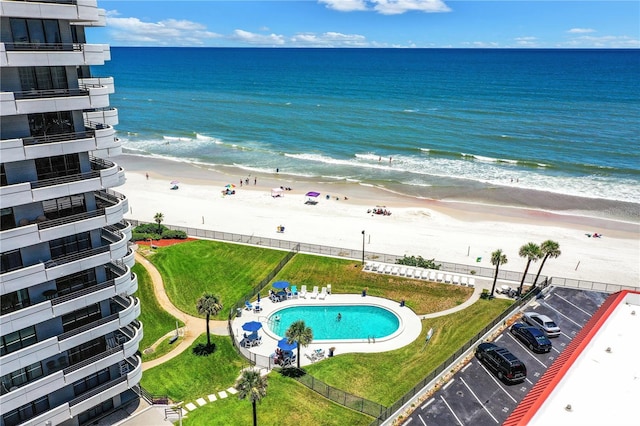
{"points": [[255, 181], [240, 182], [147, 174]]}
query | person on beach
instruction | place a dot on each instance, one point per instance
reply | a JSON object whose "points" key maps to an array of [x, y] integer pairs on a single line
{"points": [[147, 174], [240, 182], [255, 180], [390, 158]]}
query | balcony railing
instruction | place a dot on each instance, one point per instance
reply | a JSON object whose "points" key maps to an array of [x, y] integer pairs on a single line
{"points": [[87, 327], [50, 93], [93, 359], [76, 256], [49, 1], [97, 390], [63, 137], [97, 164], [70, 219], [83, 292], [65, 47]]}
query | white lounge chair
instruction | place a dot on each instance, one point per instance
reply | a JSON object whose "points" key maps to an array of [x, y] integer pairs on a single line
{"points": [[367, 266], [440, 277], [402, 271], [374, 266], [417, 273], [463, 281], [472, 282], [432, 275], [456, 279], [314, 293], [387, 269], [395, 270], [303, 292], [447, 278], [323, 293]]}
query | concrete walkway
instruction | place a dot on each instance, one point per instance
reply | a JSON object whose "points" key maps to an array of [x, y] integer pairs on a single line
{"points": [[193, 326]]}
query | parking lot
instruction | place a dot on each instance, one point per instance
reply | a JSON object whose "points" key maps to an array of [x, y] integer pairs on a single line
{"points": [[475, 396]]}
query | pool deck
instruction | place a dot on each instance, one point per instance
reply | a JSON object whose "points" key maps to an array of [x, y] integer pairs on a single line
{"points": [[409, 329]]}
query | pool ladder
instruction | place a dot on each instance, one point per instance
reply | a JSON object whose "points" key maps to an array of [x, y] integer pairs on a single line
{"points": [[371, 339]]}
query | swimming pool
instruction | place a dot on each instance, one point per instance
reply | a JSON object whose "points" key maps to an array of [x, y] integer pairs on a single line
{"points": [[355, 322]]}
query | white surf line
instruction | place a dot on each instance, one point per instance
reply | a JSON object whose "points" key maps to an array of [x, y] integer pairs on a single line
{"points": [[575, 306], [560, 313], [525, 348], [422, 420], [427, 404], [449, 407], [497, 383], [478, 399]]}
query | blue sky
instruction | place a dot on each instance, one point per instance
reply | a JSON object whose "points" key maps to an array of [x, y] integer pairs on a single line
{"points": [[371, 23]]}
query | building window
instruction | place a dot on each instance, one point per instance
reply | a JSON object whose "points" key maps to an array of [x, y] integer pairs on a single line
{"points": [[87, 350], [90, 382], [57, 166], [26, 412], [98, 410], [51, 123], [43, 78], [22, 376], [81, 317], [64, 206], [69, 245], [17, 340], [3, 176], [8, 220], [75, 282], [35, 30], [15, 301], [10, 261]]}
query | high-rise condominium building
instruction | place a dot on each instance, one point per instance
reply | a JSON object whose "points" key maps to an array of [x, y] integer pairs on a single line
{"points": [[68, 328]]}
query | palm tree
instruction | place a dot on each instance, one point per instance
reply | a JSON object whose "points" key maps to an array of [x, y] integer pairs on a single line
{"points": [[549, 249], [532, 252], [497, 258], [208, 305], [158, 218], [254, 386], [301, 334]]}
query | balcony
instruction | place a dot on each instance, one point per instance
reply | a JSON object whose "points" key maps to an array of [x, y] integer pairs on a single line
{"points": [[96, 136], [74, 10], [104, 174], [50, 54], [108, 116], [38, 101], [125, 282]]}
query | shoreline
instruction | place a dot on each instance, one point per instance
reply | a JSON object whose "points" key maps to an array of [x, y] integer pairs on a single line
{"points": [[449, 229]]}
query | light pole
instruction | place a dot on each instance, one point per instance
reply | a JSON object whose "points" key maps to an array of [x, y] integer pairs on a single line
{"points": [[363, 248]]}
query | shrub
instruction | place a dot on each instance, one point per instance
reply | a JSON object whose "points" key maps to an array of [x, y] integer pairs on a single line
{"points": [[150, 228], [169, 234], [139, 236], [419, 262]]}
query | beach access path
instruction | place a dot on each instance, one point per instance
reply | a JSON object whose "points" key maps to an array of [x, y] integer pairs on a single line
{"points": [[193, 326]]}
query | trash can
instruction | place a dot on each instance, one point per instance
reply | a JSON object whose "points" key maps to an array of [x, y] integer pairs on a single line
{"points": [[239, 312], [331, 351]]}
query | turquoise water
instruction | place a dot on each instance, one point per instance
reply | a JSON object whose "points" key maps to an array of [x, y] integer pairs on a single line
{"points": [[559, 120], [356, 322]]}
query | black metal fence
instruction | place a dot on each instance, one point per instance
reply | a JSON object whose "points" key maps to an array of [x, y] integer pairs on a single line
{"points": [[446, 365]]}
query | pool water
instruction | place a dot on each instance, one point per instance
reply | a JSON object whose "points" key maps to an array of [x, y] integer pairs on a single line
{"points": [[355, 322]]}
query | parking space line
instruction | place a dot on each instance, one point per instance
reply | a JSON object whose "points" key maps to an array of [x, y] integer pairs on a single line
{"points": [[555, 349], [427, 404], [449, 407], [575, 306], [498, 338], [478, 399], [560, 313], [497, 383], [408, 421], [465, 367], [448, 384], [422, 420], [525, 348]]}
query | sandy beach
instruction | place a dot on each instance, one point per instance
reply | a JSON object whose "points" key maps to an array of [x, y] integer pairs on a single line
{"points": [[452, 228]]}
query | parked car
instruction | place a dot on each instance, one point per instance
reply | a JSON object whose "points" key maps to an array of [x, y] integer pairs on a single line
{"points": [[502, 362], [542, 322], [531, 336]]}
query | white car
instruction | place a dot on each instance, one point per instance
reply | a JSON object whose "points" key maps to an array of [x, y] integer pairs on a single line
{"points": [[542, 322]]}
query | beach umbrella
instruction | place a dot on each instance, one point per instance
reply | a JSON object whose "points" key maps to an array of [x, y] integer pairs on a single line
{"points": [[286, 346], [281, 284], [230, 186], [252, 326], [174, 182]]}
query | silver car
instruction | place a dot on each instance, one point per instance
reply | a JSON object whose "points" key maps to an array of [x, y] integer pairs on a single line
{"points": [[542, 322]]}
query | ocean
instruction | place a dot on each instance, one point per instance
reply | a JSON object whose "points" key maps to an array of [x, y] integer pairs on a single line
{"points": [[412, 121]]}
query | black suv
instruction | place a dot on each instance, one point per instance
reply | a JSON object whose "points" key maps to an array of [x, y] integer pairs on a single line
{"points": [[502, 362], [533, 337]]}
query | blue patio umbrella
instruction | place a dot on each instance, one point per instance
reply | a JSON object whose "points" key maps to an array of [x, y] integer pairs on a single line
{"points": [[252, 326], [286, 346], [281, 284]]}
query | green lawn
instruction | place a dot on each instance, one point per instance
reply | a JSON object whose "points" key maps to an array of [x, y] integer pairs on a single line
{"points": [[385, 377], [346, 276], [288, 403], [156, 321], [226, 270]]}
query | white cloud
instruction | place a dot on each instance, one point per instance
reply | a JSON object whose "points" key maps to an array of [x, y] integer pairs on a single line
{"points": [[527, 41], [258, 39], [329, 39], [387, 7], [604, 42], [581, 30], [171, 32]]}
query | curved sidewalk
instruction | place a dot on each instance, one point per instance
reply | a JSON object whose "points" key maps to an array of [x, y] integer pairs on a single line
{"points": [[193, 326]]}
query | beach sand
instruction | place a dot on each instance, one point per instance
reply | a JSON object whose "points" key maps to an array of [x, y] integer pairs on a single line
{"points": [[456, 227]]}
